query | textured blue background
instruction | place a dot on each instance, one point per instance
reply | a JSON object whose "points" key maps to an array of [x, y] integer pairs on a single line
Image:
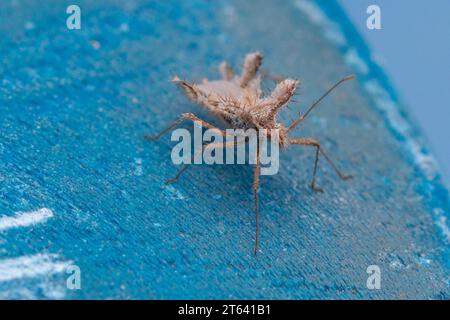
{"points": [[76, 104]]}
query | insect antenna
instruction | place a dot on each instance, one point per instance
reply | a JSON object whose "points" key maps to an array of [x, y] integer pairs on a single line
{"points": [[302, 117]]}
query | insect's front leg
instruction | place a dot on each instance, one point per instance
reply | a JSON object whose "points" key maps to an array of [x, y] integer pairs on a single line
{"points": [[319, 150]]}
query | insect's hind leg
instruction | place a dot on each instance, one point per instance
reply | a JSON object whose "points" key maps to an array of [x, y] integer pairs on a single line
{"points": [[184, 117], [319, 150]]}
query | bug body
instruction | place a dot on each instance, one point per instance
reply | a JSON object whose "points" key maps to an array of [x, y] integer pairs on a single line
{"points": [[238, 100]]}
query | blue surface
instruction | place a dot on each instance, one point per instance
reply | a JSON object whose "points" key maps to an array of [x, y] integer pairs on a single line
{"points": [[414, 48], [76, 104]]}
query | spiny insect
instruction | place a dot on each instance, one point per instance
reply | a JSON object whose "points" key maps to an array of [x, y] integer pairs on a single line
{"points": [[240, 102]]}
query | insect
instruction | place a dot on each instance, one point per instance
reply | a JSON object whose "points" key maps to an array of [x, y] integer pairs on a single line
{"points": [[238, 99]]}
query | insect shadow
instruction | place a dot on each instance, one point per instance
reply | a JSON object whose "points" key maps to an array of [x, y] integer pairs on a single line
{"points": [[239, 101]]}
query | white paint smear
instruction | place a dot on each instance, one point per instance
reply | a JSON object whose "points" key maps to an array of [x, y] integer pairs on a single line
{"points": [[331, 30], [24, 219], [441, 221], [352, 58], [31, 266]]}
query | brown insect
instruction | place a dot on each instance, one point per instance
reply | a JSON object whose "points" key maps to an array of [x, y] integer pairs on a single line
{"points": [[239, 101]]}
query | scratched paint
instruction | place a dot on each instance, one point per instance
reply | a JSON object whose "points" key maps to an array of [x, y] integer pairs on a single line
{"points": [[76, 104], [31, 266]]}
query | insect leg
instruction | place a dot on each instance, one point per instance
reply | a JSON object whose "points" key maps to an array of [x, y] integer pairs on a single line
{"points": [[255, 195], [184, 117], [316, 144]]}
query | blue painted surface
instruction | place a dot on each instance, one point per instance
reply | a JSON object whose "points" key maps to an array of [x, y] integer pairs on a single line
{"points": [[76, 104], [413, 46]]}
